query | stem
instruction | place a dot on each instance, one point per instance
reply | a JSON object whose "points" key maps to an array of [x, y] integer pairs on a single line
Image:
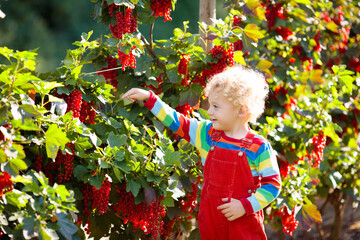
{"points": [[151, 35], [177, 237], [13, 80], [153, 54]]}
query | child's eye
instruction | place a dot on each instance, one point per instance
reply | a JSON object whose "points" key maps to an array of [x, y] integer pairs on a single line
{"points": [[215, 106]]}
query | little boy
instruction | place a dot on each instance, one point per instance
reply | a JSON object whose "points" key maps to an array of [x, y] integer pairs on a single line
{"points": [[241, 174]]}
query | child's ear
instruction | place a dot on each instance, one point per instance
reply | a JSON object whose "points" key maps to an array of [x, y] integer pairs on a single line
{"points": [[243, 110]]}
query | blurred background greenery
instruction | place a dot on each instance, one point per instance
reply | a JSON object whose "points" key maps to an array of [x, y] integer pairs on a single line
{"points": [[51, 26]]}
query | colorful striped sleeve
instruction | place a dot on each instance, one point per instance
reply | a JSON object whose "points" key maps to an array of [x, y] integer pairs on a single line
{"points": [[192, 130], [268, 170]]}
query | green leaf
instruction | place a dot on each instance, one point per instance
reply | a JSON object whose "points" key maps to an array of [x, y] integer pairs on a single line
{"points": [[332, 27], [305, 2], [347, 80], [97, 181], [55, 138], [3, 156], [27, 125], [30, 184], [172, 158], [17, 198], [247, 43], [30, 109], [3, 220], [76, 71], [62, 191], [43, 87], [30, 226], [17, 165], [168, 201], [116, 140], [133, 186], [67, 227], [42, 179], [81, 173], [118, 174], [126, 166], [48, 233], [192, 95], [125, 3]]}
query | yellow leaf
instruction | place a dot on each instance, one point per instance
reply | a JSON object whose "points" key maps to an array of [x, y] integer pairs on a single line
{"points": [[256, 8], [264, 64], [315, 76], [332, 27], [260, 12], [312, 211], [238, 57], [252, 4], [252, 31], [304, 77]]}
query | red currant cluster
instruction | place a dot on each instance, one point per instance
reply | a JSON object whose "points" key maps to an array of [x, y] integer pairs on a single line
{"points": [[273, 12], [61, 169], [80, 108], [125, 23], [74, 102], [288, 105], [284, 32], [38, 163], [127, 59], [100, 197], [161, 8], [237, 21], [185, 109], [110, 76], [238, 45], [354, 64], [147, 218], [5, 183], [316, 155], [287, 220], [286, 168], [86, 191], [317, 47], [156, 90], [168, 228], [191, 203], [225, 57], [183, 68], [87, 113]]}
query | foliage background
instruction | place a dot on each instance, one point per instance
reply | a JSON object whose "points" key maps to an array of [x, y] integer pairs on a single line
{"points": [[304, 102]]}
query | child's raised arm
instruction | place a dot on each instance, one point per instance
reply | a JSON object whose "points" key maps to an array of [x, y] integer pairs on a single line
{"points": [[135, 94], [192, 130]]}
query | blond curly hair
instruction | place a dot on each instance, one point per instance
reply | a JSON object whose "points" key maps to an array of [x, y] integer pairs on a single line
{"points": [[243, 87]]}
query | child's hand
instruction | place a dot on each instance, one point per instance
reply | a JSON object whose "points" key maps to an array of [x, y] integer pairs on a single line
{"points": [[233, 209], [135, 94]]}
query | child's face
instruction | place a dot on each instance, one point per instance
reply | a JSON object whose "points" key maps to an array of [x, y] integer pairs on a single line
{"points": [[222, 112]]}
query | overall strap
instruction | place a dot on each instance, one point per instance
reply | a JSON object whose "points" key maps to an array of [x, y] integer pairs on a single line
{"points": [[247, 140], [216, 135]]}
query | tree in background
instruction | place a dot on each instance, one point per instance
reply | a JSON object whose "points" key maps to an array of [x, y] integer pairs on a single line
{"points": [[76, 159]]}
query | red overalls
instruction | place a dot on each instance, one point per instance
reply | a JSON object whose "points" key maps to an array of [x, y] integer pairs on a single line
{"points": [[227, 174]]}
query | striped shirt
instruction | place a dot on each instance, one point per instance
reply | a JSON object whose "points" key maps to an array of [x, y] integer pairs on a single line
{"points": [[260, 155]]}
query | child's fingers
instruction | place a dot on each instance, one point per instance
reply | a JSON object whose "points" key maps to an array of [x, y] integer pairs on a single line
{"points": [[223, 206]]}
